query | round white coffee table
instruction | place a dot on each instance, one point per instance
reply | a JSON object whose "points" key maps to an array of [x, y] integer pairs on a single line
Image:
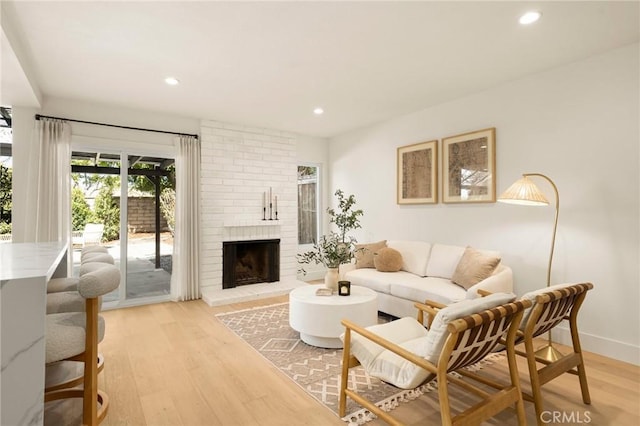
{"points": [[317, 318]]}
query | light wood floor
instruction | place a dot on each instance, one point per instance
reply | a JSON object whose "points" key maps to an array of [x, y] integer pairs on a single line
{"points": [[175, 364]]}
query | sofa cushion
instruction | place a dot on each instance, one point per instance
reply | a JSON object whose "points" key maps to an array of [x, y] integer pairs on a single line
{"points": [[387, 260], [365, 252], [380, 281], [439, 290], [474, 267], [444, 260], [415, 255], [438, 332], [370, 278], [385, 365]]}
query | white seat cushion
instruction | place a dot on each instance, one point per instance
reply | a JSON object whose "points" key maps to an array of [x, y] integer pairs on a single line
{"points": [[66, 335], [439, 290], [411, 335], [370, 278], [385, 365]]}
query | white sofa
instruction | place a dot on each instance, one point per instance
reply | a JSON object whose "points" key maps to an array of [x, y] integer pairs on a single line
{"points": [[426, 274]]}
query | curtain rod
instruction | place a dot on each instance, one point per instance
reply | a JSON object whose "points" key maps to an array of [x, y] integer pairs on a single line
{"points": [[39, 116]]}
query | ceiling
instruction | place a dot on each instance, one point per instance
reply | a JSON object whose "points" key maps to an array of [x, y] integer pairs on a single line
{"points": [[269, 64]]}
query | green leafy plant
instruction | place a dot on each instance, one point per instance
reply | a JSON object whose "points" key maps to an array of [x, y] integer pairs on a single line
{"points": [[346, 219], [81, 213], [5, 196], [5, 228], [107, 210], [329, 250], [168, 207], [335, 248]]}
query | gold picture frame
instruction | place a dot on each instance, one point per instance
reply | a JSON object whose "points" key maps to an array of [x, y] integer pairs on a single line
{"points": [[469, 167], [418, 173]]}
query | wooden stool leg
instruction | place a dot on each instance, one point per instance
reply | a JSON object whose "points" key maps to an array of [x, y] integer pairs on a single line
{"points": [[90, 398]]}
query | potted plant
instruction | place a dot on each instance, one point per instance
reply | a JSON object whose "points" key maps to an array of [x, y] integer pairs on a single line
{"points": [[335, 248]]}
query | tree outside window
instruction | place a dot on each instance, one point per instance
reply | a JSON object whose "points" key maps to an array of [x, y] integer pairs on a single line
{"points": [[307, 204]]}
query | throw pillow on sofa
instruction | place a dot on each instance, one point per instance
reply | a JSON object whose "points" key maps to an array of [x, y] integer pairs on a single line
{"points": [[473, 268], [387, 260], [365, 252]]}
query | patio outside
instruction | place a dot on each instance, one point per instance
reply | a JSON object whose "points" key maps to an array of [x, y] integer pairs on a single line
{"points": [[143, 278], [97, 201]]}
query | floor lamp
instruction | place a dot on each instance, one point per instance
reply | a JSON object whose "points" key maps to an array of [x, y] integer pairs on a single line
{"points": [[525, 192]]}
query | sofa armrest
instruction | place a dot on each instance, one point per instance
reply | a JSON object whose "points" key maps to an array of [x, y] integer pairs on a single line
{"points": [[482, 292], [500, 282], [346, 267]]}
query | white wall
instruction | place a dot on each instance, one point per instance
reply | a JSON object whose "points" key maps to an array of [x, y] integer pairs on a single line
{"points": [[21, 217], [578, 124]]}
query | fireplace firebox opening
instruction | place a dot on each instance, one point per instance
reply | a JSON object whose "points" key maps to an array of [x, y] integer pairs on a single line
{"points": [[250, 262]]}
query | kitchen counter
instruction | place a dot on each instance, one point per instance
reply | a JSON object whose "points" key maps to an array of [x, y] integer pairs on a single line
{"points": [[25, 269]]}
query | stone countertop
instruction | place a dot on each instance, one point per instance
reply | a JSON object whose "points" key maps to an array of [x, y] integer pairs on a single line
{"points": [[23, 260]]}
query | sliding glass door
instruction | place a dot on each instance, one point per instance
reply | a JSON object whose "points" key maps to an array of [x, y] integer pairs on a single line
{"points": [[95, 206], [150, 212], [132, 207]]}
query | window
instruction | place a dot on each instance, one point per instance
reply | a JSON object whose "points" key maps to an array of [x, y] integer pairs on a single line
{"points": [[6, 169], [308, 189]]}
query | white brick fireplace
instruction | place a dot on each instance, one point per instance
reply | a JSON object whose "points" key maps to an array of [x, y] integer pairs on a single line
{"points": [[238, 165]]}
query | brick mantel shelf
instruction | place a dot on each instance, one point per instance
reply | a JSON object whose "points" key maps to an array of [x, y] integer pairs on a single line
{"points": [[246, 223]]}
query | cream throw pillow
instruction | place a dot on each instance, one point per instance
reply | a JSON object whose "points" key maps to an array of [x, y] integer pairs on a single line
{"points": [[473, 268], [388, 260], [365, 252]]}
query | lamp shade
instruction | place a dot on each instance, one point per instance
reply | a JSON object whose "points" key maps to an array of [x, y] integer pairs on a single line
{"points": [[524, 192]]}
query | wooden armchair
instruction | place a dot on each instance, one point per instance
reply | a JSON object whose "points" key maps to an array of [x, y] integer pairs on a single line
{"points": [[460, 335], [551, 306]]}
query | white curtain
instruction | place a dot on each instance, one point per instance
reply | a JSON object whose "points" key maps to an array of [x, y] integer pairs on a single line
{"points": [[49, 182], [185, 279]]}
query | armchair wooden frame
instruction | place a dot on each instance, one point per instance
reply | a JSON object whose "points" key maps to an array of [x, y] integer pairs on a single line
{"points": [[549, 310], [470, 340]]}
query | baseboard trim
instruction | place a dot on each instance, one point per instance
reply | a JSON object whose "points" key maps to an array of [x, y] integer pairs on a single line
{"points": [[600, 345]]}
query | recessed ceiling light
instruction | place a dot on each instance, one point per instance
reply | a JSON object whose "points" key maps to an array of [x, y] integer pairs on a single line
{"points": [[318, 111], [171, 81], [530, 17]]}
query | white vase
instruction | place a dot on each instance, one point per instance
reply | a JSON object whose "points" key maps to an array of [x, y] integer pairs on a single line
{"points": [[331, 279]]}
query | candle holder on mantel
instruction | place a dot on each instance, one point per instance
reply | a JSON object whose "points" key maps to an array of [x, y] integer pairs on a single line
{"points": [[273, 207]]}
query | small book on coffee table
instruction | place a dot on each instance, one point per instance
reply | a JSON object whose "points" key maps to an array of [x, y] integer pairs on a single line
{"points": [[324, 292]]}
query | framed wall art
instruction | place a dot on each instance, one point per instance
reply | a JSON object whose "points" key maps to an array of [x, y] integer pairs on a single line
{"points": [[469, 167], [418, 173]]}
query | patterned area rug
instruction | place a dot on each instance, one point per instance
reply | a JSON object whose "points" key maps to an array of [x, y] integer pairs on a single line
{"points": [[316, 370]]}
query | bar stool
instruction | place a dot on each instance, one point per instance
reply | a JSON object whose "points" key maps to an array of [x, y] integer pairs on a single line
{"points": [[94, 249], [56, 285], [96, 257], [74, 336], [65, 296]]}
